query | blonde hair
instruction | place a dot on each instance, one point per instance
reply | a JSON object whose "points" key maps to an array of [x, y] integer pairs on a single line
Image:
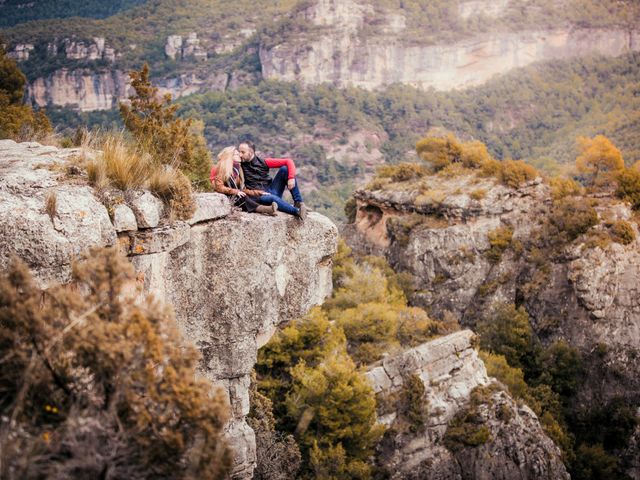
{"points": [[224, 168]]}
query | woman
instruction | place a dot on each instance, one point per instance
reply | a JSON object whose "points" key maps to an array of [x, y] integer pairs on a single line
{"points": [[227, 178]]}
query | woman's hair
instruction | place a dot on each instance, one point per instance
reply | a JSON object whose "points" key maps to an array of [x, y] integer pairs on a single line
{"points": [[224, 168]]}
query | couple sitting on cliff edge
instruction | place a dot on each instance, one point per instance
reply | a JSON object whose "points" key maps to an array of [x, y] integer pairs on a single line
{"points": [[244, 176]]}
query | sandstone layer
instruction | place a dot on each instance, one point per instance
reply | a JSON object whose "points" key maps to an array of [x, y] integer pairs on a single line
{"points": [[231, 277]]}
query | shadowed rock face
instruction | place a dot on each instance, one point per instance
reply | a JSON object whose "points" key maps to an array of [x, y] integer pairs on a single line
{"points": [[450, 370], [231, 277]]}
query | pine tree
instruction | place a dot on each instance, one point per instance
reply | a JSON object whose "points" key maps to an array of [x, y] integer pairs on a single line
{"points": [[172, 141], [18, 121]]}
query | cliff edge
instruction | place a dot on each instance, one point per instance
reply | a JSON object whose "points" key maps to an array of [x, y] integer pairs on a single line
{"points": [[231, 277]]}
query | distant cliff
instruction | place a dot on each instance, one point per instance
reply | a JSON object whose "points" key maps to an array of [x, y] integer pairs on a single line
{"points": [[340, 54], [343, 43], [231, 277]]}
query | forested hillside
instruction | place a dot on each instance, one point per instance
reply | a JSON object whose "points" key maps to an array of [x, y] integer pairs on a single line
{"points": [[13, 12]]}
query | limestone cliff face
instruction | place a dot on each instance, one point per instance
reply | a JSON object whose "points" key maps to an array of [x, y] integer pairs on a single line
{"points": [[450, 370], [339, 54], [342, 42], [83, 89], [587, 294], [231, 277]]}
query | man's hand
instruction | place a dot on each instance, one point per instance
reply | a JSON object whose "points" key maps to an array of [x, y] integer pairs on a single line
{"points": [[291, 183]]}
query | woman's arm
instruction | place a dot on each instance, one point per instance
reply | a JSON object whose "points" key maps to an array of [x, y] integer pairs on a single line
{"points": [[220, 187]]}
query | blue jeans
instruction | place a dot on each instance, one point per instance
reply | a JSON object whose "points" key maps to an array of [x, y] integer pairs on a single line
{"points": [[276, 189]]}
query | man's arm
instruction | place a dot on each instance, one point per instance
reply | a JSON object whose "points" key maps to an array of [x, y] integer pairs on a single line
{"points": [[282, 162]]}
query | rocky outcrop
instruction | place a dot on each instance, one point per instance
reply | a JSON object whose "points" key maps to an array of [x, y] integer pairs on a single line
{"points": [[231, 277], [339, 54], [83, 89], [583, 291], [452, 373], [177, 48]]}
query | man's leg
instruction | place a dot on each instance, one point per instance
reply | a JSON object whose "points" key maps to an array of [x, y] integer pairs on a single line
{"points": [[283, 205], [279, 182]]}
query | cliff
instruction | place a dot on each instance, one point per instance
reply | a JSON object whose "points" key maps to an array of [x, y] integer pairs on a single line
{"points": [[341, 54], [231, 277], [455, 379], [580, 288], [344, 43]]}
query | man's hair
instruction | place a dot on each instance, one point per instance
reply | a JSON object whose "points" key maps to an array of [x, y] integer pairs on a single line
{"points": [[248, 143]]}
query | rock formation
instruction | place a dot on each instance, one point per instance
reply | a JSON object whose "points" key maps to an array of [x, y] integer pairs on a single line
{"points": [[339, 54], [341, 42], [231, 277], [585, 293], [453, 377]]}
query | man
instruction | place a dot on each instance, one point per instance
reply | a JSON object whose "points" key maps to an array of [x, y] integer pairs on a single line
{"points": [[257, 180]]}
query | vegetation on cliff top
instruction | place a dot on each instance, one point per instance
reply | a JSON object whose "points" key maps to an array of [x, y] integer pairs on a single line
{"points": [[97, 384]]}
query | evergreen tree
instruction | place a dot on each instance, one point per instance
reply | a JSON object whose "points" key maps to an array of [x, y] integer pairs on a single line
{"points": [[172, 141]]}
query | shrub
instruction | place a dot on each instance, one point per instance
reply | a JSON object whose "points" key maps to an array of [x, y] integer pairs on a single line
{"points": [[478, 194], [402, 172], [514, 173], [17, 121], [351, 209], [125, 166], [174, 188], [97, 383], [623, 232], [499, 241], [599, 160], [571, 217], [564, 187], [333, 406], [171, 141], [629, 187], [277, 454], [413, 406], [467, 428], [51, 204], [439, 152], [474, 154], [593, 462], [507, 332]]}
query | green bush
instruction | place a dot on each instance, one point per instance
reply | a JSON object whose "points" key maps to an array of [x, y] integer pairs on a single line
{"points": [[499, 241], [571, 217], [629, 187], [507, 332]]}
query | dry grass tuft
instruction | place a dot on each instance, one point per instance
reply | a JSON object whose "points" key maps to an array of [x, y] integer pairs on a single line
{"points": [[51, 204]]}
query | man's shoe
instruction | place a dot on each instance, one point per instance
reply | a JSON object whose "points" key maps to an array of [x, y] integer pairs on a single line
{"points": [[302, 210], [268, 209]]}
